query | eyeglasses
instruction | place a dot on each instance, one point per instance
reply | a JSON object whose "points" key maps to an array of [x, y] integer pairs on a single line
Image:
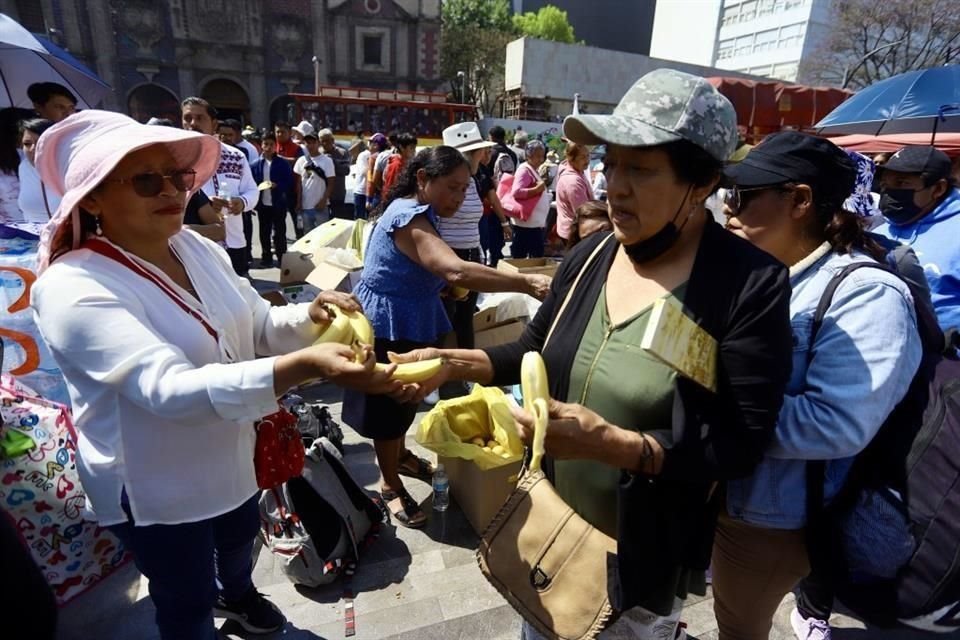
{"points": [[734, 198], [148, 185]]}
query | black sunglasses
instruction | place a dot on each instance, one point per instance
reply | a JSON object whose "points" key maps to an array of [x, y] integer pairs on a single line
{"points": [[735, 199], [148, 185]]}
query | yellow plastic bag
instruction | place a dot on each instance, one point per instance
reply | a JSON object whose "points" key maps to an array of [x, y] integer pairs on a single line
{"points": [[485, 413]]}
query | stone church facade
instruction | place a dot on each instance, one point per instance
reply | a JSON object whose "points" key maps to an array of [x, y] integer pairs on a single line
{"points": [[244, 56]]}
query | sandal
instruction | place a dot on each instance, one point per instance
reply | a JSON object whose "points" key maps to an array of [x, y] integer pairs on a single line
{"points": [[415, 467], [408, 513]]}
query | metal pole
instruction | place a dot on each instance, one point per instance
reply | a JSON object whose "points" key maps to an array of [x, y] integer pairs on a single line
{"points": [[847, 72], [316, 75]]}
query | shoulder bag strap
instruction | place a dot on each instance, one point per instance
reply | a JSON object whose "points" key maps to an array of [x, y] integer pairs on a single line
{"points": [[109, 251], [573, 287]]}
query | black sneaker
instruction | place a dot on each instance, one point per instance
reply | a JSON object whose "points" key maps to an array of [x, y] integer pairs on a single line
{"points": [[253, 612]]}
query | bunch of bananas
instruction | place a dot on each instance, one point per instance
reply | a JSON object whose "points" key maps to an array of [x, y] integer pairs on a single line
{"points": [[354, 330]]}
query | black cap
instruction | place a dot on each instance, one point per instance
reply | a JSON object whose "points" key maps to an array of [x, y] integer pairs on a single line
{"points": [[791, 156], [930, 161]]}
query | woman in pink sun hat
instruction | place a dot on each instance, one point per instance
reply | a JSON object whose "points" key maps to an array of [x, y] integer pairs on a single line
{"points": [[158, 341]]}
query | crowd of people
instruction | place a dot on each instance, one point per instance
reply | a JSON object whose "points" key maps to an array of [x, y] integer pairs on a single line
{"points": [[170, 355]]}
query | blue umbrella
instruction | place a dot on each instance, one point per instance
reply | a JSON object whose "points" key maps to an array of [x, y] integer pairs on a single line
{"points": [[924, 101], [24, 60]]}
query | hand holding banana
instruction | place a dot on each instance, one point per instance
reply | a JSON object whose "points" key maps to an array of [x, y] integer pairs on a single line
{"points": [[351, 328]]}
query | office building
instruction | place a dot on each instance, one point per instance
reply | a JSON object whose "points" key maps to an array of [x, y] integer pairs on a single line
{"points": [[772, 38], [619, 25]]}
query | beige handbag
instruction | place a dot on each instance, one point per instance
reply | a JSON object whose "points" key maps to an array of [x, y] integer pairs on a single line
{"points": [[553, 567]]}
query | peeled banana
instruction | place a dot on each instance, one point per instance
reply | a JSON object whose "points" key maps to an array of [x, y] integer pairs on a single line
{"points": [[411, 372], [536, 398]]}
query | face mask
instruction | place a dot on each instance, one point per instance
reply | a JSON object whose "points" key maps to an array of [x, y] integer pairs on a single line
{"points": [[660, 242], [897, 205]]}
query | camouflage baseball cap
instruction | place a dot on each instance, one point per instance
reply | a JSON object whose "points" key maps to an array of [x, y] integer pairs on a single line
{"points": [[663, 106]]}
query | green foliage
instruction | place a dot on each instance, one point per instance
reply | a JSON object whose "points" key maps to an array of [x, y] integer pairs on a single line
{"points": [[549, 23], [481, 14]]}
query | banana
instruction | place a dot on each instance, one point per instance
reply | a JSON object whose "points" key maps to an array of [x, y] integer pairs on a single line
{"points": [[411, 372], [459, 293], [339, 330], [362, 329], [536, 397]]}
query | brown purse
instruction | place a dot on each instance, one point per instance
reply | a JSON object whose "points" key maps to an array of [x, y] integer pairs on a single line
{"points": [[551, 565]]}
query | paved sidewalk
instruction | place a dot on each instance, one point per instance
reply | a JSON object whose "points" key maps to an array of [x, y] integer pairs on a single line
{"points": [[410, 585]]}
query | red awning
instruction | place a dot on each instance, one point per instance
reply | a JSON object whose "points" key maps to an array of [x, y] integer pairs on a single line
{"points": [[949, 143]]}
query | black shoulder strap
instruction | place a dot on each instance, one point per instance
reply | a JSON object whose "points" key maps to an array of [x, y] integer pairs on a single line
{"points": [[819, 531], [826, 299]]}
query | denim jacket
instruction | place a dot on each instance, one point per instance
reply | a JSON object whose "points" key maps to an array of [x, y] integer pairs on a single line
{"points": [[862, 362]]}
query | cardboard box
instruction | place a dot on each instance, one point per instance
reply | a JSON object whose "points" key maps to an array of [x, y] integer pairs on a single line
{"points": [[307, 253], [330, 277], [500, 334], [480, 494], [299, 292], [544, 266]]}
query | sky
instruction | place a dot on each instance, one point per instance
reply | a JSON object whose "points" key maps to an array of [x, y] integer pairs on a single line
{"points": [[684, 30]]}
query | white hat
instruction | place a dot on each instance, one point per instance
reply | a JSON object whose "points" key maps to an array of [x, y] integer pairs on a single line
{"points": [[465, 136], [304, 128]]}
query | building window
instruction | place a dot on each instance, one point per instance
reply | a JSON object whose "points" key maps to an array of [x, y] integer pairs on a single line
{"points": [[786, 71], [31, 16], [791, 36], [372, 50], [730, 16], [744, 46], [725, 50], [748, 11], [766, 41]]}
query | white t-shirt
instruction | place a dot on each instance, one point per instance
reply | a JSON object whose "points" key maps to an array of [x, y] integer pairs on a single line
{"points": [[462, 230], [360, 172], [249, 150], [314, 187], [31, 195], [161, 408], [266, 196], [234, 177]]}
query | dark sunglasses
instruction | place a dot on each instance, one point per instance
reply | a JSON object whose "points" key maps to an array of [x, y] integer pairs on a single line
{"points": [[148, 185], [735, 199]]}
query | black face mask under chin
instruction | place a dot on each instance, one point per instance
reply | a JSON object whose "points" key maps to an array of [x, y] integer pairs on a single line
{"points": [[660, 242]]}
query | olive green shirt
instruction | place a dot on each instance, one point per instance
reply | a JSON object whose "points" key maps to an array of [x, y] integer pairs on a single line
{"points": [[612, 376]]}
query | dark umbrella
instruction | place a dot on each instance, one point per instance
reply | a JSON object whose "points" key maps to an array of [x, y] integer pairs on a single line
{"points": [[924, 101], [25, 60]]}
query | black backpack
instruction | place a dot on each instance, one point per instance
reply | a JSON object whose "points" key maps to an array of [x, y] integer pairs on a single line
{"points": [[917, 454]]}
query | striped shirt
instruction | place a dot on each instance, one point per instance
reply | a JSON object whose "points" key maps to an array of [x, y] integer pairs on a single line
{"points": [[462, 230]]}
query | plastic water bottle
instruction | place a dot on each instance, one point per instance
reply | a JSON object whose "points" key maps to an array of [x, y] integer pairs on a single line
{"points": [[226, 193], [441, 489]]}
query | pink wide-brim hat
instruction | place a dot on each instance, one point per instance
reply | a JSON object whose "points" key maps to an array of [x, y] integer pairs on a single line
{"points": [[75, 155]]}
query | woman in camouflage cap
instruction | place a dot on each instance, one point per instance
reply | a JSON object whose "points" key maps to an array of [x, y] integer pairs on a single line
{"points": [[637, 450]]}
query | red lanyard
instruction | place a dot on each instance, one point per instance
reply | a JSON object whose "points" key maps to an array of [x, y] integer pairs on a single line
{"points": [[109, 251]]}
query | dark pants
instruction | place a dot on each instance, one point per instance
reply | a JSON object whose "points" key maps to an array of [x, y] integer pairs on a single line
{"points": [[461, 312], [527, 243], [187, 563], [248, 235], [238, 258], [28, 603], [360, 206], [491, 239], [273, 220], [340, 209]]}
